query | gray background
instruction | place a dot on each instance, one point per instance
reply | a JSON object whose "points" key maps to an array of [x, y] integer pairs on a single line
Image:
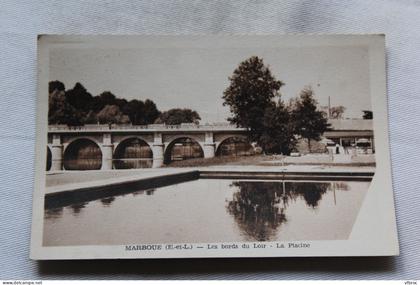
{"points": [[21, 21]]}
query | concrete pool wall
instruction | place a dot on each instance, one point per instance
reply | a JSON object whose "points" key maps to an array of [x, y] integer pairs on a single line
{"points": [[79, 192]]}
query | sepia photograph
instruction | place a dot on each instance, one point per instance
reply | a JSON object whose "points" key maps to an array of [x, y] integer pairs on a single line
{"points": [[174, 146]]}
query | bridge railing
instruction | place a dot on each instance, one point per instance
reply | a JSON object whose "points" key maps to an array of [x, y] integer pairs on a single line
{"points": [[113, 127]]}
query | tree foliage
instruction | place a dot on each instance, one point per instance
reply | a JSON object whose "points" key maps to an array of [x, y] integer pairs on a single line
{"points": [[135, 109], [337, 112], [77, 106], [60, 111], [56, 85], [151, 112], [178, 116], [278, 132], [111, 114], [78, 97], [141, 113], [252, 90], [254, 101], [309, 122]]}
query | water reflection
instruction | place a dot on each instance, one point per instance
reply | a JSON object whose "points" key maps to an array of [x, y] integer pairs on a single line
{"points": [[340, 186], [54, 213], [107, 201], [310, 192], [77, 208], [150, 192], [259, 208], [211, 210], [256, 208], [130, 163]]}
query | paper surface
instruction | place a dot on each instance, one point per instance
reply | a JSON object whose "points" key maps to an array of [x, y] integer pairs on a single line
{"points": [[22, 21], [371, 231]]}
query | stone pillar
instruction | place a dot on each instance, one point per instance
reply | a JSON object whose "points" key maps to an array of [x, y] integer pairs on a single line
{"points": [[157, 149], [107, 151], [209, 145], [56, 153]]}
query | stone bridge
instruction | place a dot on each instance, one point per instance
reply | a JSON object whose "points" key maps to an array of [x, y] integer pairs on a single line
{"points": [[107, 143]]}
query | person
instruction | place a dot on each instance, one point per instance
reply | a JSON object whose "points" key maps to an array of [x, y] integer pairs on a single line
{"points": [[337, 149], [346, 150]]}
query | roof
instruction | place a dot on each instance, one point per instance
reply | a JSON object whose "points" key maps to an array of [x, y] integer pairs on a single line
{"points": [[350, 124]]}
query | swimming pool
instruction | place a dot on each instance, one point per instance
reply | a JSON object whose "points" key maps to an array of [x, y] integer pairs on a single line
{"points": [[211, 210]]}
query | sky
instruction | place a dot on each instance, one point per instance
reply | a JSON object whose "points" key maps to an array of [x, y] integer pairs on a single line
{"points": [[195, 78]]}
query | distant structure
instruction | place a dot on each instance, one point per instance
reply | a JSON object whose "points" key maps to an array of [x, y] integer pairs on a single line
{"points": [[348, 132]]}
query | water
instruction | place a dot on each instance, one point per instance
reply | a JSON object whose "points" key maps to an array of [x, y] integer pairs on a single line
{"points": [[211, 210]]}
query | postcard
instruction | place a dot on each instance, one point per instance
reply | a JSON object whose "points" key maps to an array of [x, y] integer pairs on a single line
{"points": [[212, 146]]}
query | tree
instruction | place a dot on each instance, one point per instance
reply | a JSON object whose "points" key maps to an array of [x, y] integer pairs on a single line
{"points": [[79, 98], [337, 112], [151, 112], [55, 85], [178, 116], [141, 113], [107, 98], [278, 132], [120, 102], [90, 117], [134, 109], [60, 111], [96, 104], [77, 107], [367, 115], [251, 92], [309, 122], [111, 114]]}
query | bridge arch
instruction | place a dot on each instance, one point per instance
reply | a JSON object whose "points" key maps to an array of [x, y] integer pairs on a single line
{"points": [[49, 158], [133, 152], [69, 140], [82, 154], [183, 148], [237, 145]]}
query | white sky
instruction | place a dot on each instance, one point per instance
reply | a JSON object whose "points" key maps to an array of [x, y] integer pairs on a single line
{"points": [[196, 77]]}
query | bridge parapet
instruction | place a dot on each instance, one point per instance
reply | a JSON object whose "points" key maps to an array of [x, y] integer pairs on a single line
{"points": [[146, 128]]}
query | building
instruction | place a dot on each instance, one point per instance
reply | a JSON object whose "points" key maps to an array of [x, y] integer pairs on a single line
{"points": [[351, 132]]}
